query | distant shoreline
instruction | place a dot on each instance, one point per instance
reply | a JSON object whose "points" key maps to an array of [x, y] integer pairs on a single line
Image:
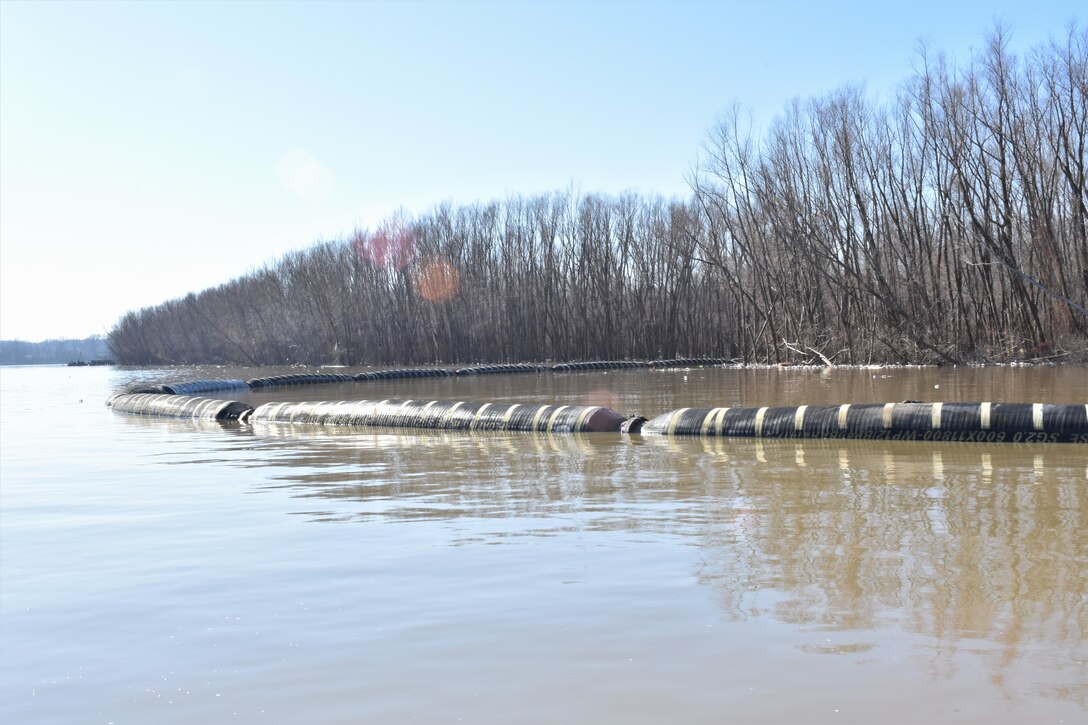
{"points": [[55, 352]]}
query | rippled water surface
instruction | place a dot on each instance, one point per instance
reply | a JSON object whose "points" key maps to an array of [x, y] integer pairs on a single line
{"points": [[169, 571]]}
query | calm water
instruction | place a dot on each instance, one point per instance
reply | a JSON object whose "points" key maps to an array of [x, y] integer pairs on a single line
{"points": [[173, 572]]}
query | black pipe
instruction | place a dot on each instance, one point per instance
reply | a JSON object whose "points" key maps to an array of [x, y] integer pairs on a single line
{"points": [[980, 422], [203, 386], [276, 381]]}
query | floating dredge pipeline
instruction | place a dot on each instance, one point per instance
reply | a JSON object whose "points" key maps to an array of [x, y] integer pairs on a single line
{"points": [[978, 422], [970, 422]]}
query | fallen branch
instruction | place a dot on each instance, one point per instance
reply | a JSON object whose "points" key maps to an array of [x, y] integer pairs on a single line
{"points": [[793, 348]]}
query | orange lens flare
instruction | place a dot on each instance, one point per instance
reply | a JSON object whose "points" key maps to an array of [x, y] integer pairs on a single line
{"points": [[437, 281]]}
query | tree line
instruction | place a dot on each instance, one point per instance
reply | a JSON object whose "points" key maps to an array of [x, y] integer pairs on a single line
{"points": [[948, 224]]}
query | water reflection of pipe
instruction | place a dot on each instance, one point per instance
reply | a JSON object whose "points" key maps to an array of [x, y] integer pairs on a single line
{"points": [[900, 461], [184, 425], [986, 556], [512, 443]]}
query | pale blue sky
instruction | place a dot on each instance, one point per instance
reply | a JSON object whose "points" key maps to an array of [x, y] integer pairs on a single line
{"points": [[149, 149]]}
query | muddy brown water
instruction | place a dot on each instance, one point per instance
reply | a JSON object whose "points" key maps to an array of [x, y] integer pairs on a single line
{"points": [[170, 571]]}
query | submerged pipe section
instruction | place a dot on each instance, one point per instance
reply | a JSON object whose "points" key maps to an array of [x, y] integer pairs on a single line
{"points": [[178, 406], [442, 415], [979, 422]]}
